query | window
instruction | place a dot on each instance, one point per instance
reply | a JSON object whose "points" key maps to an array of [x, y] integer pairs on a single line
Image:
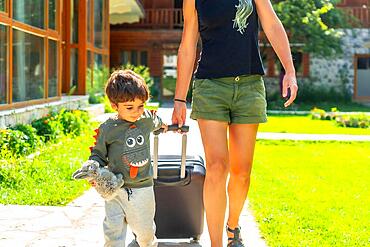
{"points": [[363, 63], [88, 21], [362, 82], [3, 5], [88, 72], [30, 12], [134, 57], [298, 63], [273, 67], [28, 66], [144, 58], [3, 64], [53, 69], [125, 57], [73, 68], [52, 14], [98, 23], [74, 21]]}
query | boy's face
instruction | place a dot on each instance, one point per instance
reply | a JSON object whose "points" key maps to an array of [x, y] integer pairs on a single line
{"points": [[130, 110]]}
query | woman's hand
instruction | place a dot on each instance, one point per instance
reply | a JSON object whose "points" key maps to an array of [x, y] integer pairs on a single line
{"points": [[179, 113], [290, 82]]}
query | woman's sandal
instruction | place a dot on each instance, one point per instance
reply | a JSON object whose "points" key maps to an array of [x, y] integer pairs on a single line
{"points": [[235, 241]]}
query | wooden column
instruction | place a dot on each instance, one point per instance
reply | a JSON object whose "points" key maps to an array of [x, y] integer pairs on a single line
{"points": [[82, 47]]}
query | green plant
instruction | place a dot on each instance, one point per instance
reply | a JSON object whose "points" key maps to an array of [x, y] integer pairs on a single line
{"points": [[48, 127], [45, 179], [321, 114], [95, 98], [15, 141], [107, 106], [73, 122], [353, 121], [33, 139]]}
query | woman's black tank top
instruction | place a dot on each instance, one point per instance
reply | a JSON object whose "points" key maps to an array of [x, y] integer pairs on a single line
{"points": [[226, 52]]}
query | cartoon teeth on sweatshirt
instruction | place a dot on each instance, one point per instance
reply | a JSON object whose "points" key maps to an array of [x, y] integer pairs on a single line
{"points": [[135, 152]]}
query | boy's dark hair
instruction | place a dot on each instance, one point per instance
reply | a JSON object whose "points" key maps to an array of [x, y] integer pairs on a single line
{"points": [[126, 85]]}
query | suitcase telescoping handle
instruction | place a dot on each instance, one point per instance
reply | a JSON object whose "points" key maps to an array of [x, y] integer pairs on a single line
{"points": [[174, 127]]}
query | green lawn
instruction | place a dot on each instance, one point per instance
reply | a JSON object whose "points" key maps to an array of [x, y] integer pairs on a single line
{"points": [[312, 193], [46, 180], [344, 106], [304, 124]]}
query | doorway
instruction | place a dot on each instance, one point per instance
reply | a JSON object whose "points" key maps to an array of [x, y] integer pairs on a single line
{"points": [[362, 77]]}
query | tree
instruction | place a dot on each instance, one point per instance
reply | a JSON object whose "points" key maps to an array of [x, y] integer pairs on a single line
{"points": [[311, 24]]}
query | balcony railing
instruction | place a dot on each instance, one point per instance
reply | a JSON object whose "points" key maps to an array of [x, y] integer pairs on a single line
{"points": [[361, 13], [172, 18], [159, 19]]}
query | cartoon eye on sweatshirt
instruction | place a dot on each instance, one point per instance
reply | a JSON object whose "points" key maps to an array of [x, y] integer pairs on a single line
{"points": [[135, 153]]}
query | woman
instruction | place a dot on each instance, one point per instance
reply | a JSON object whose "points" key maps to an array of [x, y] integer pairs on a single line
{"points": [[228, 95]]}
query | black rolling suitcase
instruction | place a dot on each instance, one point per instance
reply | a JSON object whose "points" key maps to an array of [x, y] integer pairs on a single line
{"points": [[178, 187]]}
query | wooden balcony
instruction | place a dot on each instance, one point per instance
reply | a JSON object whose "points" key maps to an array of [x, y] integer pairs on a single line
{"points": [[158, 19], [361, 13], [352, 3], [172, 18]]}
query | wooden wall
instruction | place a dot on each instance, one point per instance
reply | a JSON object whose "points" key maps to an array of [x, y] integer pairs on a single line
{"points": [[158, 4], [352, 3], [155, 42]]}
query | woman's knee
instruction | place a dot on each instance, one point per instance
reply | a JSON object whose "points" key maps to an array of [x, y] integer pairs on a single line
{"points": [[240, 174], [217, 167]]}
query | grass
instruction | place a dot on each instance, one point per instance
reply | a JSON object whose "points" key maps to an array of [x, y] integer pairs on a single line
{"points": [[169, 83], [304, 124], [312, 193], [342, 106], [46, 179]]}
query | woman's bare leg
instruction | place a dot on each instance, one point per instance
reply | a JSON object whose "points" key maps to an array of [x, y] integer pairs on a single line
{"points": [[214, 138], [241, 144]]}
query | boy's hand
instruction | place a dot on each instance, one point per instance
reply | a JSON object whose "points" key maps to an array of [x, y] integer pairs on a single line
{"points": [[164, 127], [92, 182]]}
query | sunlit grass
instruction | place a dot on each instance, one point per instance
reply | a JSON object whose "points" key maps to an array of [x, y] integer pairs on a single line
{"points": [[45, 179], [304, 124], [312, 193]]}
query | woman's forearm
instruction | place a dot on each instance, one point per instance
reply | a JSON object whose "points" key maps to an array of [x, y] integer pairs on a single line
{"points": [[185, 66], [280, 43]]}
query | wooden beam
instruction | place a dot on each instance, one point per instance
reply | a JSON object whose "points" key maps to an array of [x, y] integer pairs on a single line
{"points": [[82, 44]]}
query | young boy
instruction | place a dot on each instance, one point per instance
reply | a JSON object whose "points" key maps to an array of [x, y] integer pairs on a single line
{"points": [[122, 144]]}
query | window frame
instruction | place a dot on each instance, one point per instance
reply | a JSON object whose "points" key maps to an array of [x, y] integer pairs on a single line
{"points": [[272, 60], [355, 79], [46, 34]]}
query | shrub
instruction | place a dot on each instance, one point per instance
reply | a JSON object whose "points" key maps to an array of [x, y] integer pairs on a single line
{"points": [[95, 98], [310, 93], [15, 142], [320, 114], [73, 122], [33, 139], [48, 127], [342, 120], [353, 121], [107, 106]]}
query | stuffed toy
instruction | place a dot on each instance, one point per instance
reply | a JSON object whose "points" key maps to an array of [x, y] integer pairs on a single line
{"points": [[107, 183]]}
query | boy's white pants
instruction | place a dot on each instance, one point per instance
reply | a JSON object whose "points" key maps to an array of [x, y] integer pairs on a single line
{"points": [[135, 209]]}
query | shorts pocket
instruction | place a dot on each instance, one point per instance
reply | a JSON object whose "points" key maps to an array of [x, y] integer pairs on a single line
{"points": [[197, 83], [259, 86]]}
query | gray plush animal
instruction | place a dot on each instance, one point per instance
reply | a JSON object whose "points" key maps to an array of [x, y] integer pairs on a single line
{"points": [[107, 183]]}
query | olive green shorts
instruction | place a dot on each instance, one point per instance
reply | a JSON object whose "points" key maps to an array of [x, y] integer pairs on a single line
{"points": [[240, 99]]}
